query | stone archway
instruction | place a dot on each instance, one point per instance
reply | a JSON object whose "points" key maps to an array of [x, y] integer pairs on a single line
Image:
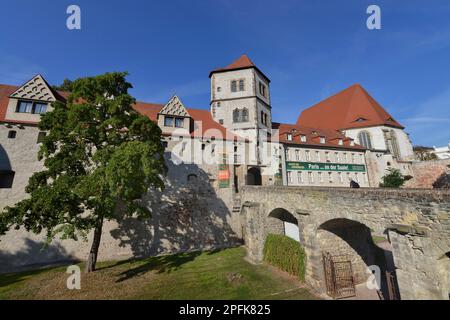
{"points": [[254, 177], [283, 222], [350, 240]]}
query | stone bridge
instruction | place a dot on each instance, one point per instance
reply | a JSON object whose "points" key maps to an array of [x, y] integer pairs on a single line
{"points": [[353, 222]]}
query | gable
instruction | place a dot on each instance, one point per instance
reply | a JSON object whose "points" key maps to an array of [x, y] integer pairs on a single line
{"points": [[175, 107], [35, 89]]}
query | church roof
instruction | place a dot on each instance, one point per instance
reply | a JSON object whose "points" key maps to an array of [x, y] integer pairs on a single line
{"points": [[350, 108], [243, 62]]}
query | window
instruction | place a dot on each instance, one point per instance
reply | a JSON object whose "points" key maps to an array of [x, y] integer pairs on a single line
{"points": [[262, 89], [25, 107], [219, 89], [303, 138], [233, 86], [31, 107], [345, 158], [330, 177], [179, 122], [308, 155], [289, 174], [327, 156], [218, 104], [41, 136], [365, 140], [40, 108], [265, 119], [240, 115], [336, 157], [300, 176], [12, 134], [356, 177], [310, 177], [341, 179], [341, 142], [318, 156], [168, 121], [241, 85], [165, 144], [6, 179], [320, 177], [221, 121], [245, 115], [322, 139], [353, 158], [297, 155], [289, 137], [203, 146]]}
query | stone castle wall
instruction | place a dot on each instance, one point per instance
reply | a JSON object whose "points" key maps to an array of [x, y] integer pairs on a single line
{"points": [[426, 173]]}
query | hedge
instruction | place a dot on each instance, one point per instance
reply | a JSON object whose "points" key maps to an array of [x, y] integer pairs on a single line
{"points": [[286, 254]]}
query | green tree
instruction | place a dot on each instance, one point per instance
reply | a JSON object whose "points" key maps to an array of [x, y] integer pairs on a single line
{"points": [[100, 157], [67, 86], [393, 179]]}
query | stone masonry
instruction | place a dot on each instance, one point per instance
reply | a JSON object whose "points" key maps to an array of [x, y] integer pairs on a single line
{"points": [[416, 222]]}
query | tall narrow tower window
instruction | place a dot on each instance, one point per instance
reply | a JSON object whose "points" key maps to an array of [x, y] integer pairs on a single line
{"points": [[233, 86]]}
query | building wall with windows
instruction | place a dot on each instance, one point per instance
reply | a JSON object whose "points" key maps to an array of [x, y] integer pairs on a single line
{"points": [[309, 166]]}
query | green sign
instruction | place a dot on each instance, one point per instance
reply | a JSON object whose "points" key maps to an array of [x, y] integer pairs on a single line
{"points": [[313, 166]]}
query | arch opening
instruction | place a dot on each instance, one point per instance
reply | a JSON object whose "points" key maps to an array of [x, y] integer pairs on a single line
{"points": [[283, 222], [349, 240]]}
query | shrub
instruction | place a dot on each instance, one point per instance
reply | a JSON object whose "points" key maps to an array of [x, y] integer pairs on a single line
{"points": [[393, 179], [286, 254]]}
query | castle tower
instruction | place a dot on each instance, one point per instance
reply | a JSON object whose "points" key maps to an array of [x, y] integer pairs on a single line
{"points": [[240, 98]]}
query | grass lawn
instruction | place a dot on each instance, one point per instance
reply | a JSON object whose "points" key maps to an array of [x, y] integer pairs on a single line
{"points": [[220, 274]]}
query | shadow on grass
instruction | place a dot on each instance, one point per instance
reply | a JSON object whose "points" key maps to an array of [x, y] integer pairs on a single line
{"points": [[163, 264]]}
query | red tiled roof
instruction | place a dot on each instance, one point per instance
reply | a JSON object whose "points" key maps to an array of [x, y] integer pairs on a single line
{"points": [[208, 128], [350, 108], [5, 91], [243, 62], [313, 136]]}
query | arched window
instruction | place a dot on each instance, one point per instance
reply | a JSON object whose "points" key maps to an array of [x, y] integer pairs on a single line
{"points": [[394, 142], [192, 178], [364, 139], [245, 115], [236, 114]]}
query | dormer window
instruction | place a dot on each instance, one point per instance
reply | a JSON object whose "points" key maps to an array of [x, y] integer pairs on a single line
{"points": [[303, 138], [322, 139], [341, 142], [360, 120], [168, 121], [314, 132], [289, 137], [31, 107], [40, 108], [179, 122], [25, 107]]}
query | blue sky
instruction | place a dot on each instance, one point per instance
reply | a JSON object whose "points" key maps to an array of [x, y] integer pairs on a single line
{"points": [[310, 49]]}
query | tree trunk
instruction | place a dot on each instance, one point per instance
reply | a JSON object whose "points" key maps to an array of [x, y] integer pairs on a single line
{"points": [[92, 259]]}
